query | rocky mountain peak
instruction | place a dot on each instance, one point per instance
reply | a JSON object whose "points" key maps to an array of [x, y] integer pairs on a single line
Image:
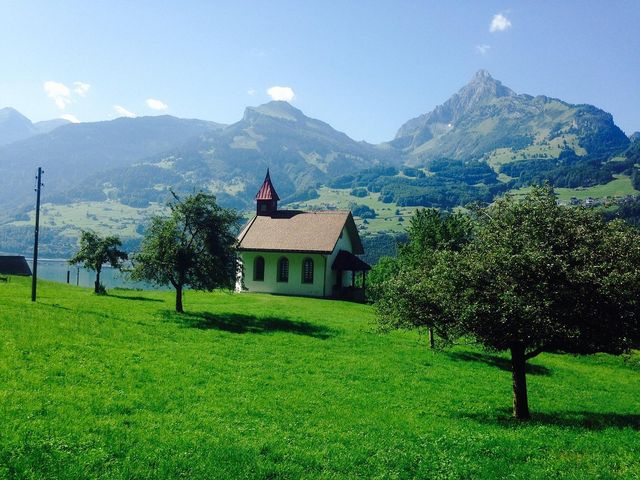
{"points": [[483, 86], [276, 109]]}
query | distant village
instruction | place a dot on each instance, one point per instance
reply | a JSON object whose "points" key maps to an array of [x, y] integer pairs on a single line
{"points": [[608, 201]]}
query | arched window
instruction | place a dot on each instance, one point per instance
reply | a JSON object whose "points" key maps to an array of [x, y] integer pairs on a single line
{"points": [[283, 270], [307, 270], [258, 269]]}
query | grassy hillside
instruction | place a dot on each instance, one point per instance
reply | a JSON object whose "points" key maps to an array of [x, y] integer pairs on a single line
{"points": [[389, 216], [256, 386], [620, 187]]}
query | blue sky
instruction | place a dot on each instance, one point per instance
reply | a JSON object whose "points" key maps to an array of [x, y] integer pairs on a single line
{"points": [[365, 67]]}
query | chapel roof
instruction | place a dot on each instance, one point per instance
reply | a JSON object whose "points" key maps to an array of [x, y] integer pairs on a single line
{"points": [[297, 231]]}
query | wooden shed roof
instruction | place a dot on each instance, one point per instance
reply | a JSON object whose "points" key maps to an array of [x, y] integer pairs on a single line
{"points": [[295, 231], [14, 265]]}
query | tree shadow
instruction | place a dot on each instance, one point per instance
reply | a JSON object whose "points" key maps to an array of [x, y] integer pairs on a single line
{"points": [[57, 305], [496, 361], [579, 420], [135, 297], [236, 323]]}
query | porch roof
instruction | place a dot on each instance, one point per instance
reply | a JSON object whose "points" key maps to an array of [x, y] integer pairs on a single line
{"points": [[348, 261]]}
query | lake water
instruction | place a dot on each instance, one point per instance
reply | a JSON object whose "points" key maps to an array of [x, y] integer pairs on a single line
{"points": [[56, 270]]}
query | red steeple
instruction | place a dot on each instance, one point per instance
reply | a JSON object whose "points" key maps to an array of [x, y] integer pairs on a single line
{"points": [[267, 198], [267, 190]]}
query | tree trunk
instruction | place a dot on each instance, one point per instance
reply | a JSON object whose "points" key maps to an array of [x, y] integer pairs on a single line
{"points": [[518, 365], [96, 286], [179, 299], [432, 340]]}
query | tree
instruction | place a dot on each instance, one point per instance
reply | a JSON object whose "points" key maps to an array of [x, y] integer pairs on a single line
{"points": [[539, 277], [406, 295], [383, 271], [193, 246], [432, 230], [96, 251]]}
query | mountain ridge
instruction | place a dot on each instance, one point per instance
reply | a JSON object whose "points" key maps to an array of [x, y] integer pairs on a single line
{"points": [[485, 115], [484, 140]]}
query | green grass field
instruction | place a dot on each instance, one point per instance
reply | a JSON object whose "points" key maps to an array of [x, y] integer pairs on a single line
{"points": [[103, 217], [620, 187], [257, 386]]}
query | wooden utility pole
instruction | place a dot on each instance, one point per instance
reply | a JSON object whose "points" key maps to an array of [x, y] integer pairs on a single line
{"points": [[34, 278]]}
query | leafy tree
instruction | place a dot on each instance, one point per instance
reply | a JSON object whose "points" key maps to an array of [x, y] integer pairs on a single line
{"points": [[414, 299], [635, 178], [96, 251], [383, 271], [431, 230], [363, 211], [539, 277], [408, 297], [194, 246]]}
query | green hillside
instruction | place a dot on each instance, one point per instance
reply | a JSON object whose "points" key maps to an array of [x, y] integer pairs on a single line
{"points": [[256, 386]]}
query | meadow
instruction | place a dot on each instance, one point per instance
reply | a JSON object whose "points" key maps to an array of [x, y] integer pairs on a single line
{"points": [[259, 386], [619, 187]]}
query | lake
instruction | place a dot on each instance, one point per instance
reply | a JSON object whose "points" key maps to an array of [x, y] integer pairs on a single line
{"points": [[56, 270]]}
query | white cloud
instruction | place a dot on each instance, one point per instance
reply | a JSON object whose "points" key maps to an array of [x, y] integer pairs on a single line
{"points": [[81, 88], [251, 91], [483, 49], [281, 93], [156, 104], [70, 118], [123, 112], [58, 92], [499, 23]]}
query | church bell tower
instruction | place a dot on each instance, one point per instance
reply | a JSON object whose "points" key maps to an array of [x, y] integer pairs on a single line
{"points": [[267, 198]]}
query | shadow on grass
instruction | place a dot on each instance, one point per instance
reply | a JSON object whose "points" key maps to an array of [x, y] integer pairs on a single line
{"points": [[237, 323], [495, 361], [57, 305], [137, 298], [580, 420]]}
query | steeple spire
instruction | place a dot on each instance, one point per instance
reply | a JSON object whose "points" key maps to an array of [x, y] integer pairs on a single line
{"points": [[267, 197]]}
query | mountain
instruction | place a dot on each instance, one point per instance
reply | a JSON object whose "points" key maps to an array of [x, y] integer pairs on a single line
{"points": [[14, 126], [48, 125], [485, 116], [71, 153], [634, 137], [302, 153], [483, 141]]}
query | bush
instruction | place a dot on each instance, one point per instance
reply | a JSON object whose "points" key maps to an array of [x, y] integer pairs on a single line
{"points": [[359, 192], [363, 211]]}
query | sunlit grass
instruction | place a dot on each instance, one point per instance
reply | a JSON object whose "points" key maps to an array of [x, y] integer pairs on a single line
{"points": [[258, 386]]}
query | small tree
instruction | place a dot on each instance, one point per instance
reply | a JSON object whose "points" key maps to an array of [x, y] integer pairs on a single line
{"points": [[539, 277], [408, 297], [96, 251], [194, 246]]}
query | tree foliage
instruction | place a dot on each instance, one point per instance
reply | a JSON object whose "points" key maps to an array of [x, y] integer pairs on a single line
{"points": [[536, 277], [194, 246], [539, 277], [96, 251], [405, 294]]}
